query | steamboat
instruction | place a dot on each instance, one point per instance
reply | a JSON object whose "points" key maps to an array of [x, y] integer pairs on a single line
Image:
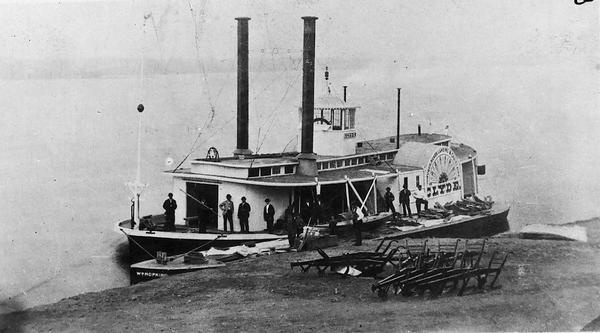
{"points": [[332, 164]]}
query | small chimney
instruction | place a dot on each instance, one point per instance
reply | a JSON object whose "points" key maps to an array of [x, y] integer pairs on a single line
{"points": [[307, 158], [419, 130], [345, 87], [242, 89]]}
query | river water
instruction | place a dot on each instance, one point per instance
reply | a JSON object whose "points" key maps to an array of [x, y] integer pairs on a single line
{"points": [[69, 147]]}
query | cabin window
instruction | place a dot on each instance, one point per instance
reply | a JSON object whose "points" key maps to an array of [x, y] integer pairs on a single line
{"points": [[289, 169], [354, 161], [276, 170], [346, 162], [417, 180], [325, 165], [266, 171], [252, 172], [324, 115], [390, 156], [349, 118], [406, 181], [337, 119], [361, 160], [359, 144]]}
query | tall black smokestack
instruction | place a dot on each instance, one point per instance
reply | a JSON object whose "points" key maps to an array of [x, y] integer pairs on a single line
{"points": [[307, 158], [345, 87], [242, 89]]}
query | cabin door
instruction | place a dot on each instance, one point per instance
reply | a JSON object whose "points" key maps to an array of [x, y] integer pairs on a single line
{"points": [[199, 191]]}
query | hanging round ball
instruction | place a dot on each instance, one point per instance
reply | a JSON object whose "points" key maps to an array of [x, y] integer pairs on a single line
{"points": [[140, 108]]}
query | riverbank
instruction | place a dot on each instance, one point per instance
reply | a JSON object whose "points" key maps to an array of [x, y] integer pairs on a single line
{"points": [[545, 286]]}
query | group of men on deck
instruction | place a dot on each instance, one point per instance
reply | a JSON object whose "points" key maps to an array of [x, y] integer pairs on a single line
{"points": [[243, 213], [404, 199], [227, 209], [309, 212]]}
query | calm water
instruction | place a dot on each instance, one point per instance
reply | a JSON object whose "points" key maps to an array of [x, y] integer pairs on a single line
{"points": [[69, 147]]}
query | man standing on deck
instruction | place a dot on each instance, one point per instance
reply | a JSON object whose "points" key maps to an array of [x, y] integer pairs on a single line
{"points": [[169, 206], [269, 215], [291, 224], [227, 209], [306, 211], [405, 200], [317, 211], [420, 199], [389, 201], [357, 220], [243, 214]]}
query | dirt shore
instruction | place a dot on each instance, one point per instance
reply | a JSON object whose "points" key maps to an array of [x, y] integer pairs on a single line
{"points": [[545, 286]]}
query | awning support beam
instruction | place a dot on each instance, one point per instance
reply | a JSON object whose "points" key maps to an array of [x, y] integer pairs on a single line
{"points": [[362, 202]]}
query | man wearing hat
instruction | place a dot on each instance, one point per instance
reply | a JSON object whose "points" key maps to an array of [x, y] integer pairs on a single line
{"points": [[227, 209], [243, 215], [405, 200], [269, 214], [169, 206]]}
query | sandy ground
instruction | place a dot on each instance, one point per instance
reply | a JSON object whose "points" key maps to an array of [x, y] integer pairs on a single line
{"points": [[545, 286]]}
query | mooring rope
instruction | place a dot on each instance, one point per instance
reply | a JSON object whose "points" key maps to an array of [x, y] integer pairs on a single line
{"points": [[138, 244], [199, 247]]}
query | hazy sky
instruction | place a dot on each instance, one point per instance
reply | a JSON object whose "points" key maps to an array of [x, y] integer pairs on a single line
{"points": [[413, 33]]}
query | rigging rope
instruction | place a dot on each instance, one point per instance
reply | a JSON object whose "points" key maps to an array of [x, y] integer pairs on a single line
{"points": [[375, 150], [206, 89]]}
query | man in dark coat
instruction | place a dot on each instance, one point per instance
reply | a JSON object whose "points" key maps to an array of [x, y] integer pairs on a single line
{"points": [[306, 211], [389, 200], [243, 214], [317, 211], [405, 200], [269, 214], [169, 206], [292, 226]]}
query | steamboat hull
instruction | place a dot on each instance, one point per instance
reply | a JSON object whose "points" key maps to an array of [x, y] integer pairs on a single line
{"points": [[477, 226], [174, 243]]}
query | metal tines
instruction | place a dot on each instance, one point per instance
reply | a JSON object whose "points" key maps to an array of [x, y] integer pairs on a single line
{"points": [[435, 269]]}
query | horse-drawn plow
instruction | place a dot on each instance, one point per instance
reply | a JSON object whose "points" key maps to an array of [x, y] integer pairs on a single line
{"points": [[442, 268], [418, 268]]}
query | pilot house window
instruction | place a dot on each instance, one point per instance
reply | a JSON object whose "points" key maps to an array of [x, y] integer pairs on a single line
{"points": [[337, 119], [349, 118]]}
